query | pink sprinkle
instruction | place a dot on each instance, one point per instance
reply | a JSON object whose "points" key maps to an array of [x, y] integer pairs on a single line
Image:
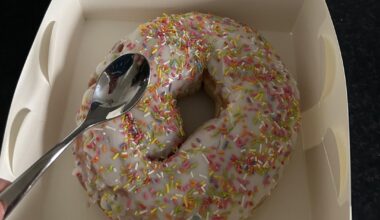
{"points": [[166, 200], [266, 181], [129, 203], [145, 196]]}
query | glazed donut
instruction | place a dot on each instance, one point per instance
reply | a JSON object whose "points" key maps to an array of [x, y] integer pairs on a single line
{"points": [[143, 166]]}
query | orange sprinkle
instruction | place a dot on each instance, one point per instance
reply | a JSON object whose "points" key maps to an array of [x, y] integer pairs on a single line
{"points": [[104, 148], [114, 150], [95, 159]]}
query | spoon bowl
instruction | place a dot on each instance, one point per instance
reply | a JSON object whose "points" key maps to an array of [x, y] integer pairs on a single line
{"points": [[119, 87]]}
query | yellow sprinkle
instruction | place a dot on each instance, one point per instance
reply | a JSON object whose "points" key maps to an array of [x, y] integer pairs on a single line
{"points": [[153, 210], [182, 132], [143, 212], [185, 201], [115, 156], [115, 188], [167, 188], [154, 50], [109, 213], [234, 42], [259, 96], [179, 195], [203, 176], [110, 168]]}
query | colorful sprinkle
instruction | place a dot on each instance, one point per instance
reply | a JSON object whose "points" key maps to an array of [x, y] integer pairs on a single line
{"points": [[145, 154]]}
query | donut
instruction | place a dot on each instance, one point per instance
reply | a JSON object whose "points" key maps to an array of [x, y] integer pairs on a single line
{"points": [[142, 165]]}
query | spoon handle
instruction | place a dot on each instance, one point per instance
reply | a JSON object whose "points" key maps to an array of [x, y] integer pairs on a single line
{"points": [[11, 196]]}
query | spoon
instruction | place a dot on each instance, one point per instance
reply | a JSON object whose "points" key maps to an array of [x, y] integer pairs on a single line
{"points": [[120, 86]]}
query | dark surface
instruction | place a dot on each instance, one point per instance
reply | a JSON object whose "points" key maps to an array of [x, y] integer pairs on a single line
{"points": [[18, 27], [358, 31]]}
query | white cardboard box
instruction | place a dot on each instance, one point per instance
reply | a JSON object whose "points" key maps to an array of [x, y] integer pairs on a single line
{"points": [[76, 34]]}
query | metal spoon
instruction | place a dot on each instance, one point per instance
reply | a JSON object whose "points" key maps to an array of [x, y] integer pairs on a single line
{"points": [[119, 88]]}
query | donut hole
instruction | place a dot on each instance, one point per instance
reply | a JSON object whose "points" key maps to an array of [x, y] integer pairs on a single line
{"points": [[196, 109]]}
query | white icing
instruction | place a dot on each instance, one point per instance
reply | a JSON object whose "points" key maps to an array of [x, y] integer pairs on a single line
{"points": [[232, 161]]}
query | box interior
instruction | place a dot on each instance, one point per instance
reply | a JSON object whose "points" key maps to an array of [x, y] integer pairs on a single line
{"points": [[74, 37]]}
